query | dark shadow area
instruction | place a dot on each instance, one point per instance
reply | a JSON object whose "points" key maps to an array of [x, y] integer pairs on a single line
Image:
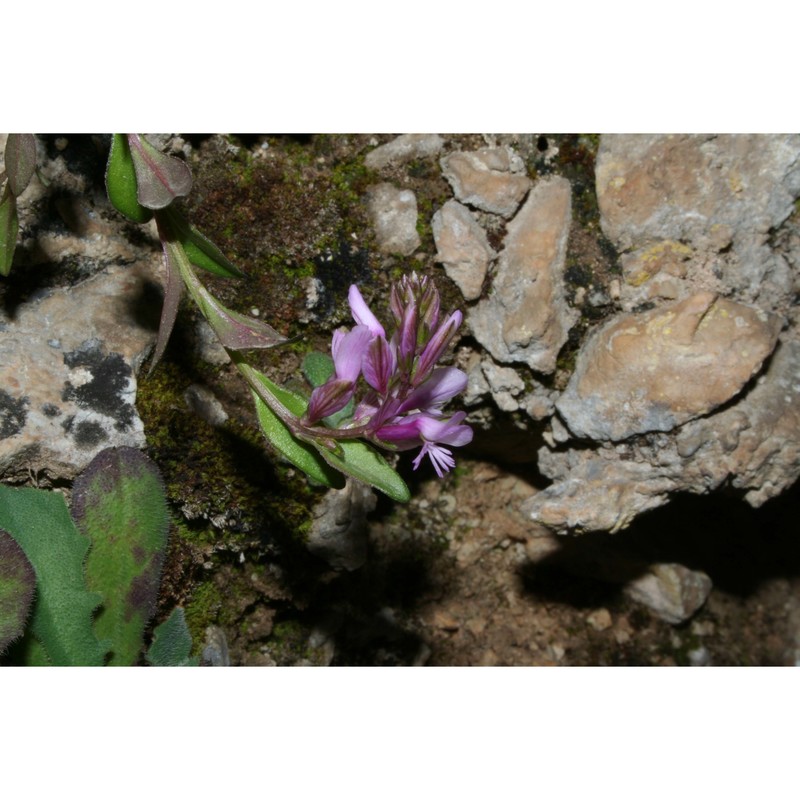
{"points": [[737, 546]]}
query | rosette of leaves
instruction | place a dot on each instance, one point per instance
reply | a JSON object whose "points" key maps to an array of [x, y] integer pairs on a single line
{"points": [[96, 571]]}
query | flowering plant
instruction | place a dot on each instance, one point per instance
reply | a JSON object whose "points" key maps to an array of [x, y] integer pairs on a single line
{"points": [[402, 408], [376, 390]]}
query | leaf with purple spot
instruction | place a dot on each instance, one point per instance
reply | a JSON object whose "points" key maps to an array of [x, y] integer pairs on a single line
{"points": [[119, 504]]}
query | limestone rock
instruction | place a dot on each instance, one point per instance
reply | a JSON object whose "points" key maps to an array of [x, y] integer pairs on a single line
{"points": [[672, 592], [394, 216], [710, 192], [526, 319], [756, 443], [462, 247], [68, 366], [657, 370], [403, 149], [492, 179], [753, 445]]}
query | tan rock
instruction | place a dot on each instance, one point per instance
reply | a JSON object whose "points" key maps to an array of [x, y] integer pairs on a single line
{"points": [[660, 369], [672, 592], [526, 319], [720, 195], [492, 179], [462, 248]]}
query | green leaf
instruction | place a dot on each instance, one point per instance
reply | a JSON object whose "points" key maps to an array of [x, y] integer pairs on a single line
{"points": [[118, 503], [121, 181], [9, 227], [361, 461], [202, 252], [17, 588], [159, 178], [234, 330], [317, 367], [299, 453], [172, 643], [62, 613], [20, 158], [352, 457]]}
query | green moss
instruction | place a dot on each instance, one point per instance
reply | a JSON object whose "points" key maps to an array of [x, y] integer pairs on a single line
{"points": [[203, 610]]}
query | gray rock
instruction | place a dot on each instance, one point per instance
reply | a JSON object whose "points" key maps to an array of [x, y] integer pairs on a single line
{"points": [[339, 530], [68, 366], [403, 149], [657, 370], [393, 213], [526, 318], [492, 179], [462, 248], [672, 592], [204, 403]]}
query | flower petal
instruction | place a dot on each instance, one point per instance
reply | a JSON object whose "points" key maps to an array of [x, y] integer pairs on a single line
{"points": [[379, 364], [348, 352], [443, 384], [361, 313]]}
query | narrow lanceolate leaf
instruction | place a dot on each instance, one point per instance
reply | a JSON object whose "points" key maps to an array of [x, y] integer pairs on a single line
{"points": [[118, 503], [121, 181], [9, 227], [173, 291], [20, 158], [172, 643], [159, 178], [200, 251], [17, 587], [349, 456], [360, 460], [295, 451], [62, 612], [235, 331]]}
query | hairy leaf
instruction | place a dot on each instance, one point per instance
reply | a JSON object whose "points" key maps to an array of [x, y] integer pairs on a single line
{"points": [[160, 178], [172, 643], [62, 612], [20, 158], [9, 227], [121, 181], [118, 503], [17, 588]]}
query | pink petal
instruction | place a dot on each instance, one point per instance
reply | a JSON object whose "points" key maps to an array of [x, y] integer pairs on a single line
{"points": [[361, 313]]}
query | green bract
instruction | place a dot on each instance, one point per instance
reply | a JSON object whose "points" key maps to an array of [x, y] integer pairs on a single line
{"points": [[121, 181]]}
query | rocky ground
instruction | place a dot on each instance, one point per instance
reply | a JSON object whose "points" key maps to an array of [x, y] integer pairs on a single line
{"points": [[631, 343]]}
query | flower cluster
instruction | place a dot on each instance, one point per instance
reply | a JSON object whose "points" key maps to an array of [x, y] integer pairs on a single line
{"points": [[402, 406]]}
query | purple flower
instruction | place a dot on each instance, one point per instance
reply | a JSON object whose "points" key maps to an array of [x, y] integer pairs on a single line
{"points": [[402, 407], [361, 313], [427, 431], [347, 350]]}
